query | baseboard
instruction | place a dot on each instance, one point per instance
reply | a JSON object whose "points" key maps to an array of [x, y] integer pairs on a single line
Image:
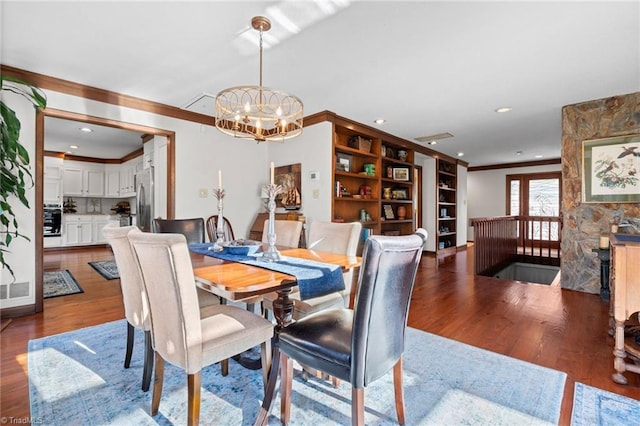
{"points": [[18, 311]]}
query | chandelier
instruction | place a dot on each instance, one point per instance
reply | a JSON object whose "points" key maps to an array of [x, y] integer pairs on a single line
{"points": [[257, 112]]}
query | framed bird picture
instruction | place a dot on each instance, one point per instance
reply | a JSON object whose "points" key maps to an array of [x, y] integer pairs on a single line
{"points": [[611, 170]]}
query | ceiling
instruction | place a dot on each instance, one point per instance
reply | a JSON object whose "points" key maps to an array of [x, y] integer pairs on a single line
{"points": [[426, 67]]}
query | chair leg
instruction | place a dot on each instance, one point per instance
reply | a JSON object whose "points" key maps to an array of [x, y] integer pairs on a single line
{"points": [[129, 350], [224, 367], [193, 405], [286, 385], [157, 385], [148, 361], [357, 406], [265, 358], [399, 391]]}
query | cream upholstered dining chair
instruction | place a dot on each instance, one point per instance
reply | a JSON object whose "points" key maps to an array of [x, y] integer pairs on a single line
{"points": [[341, 238], [136, 310], [211, 224], [362, 344], [181, 334], [287, 232]]}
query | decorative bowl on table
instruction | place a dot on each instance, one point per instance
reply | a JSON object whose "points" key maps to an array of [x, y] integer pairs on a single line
{"points": [[241, 247]]}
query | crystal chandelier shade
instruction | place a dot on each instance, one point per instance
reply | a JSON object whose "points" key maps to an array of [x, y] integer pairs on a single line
{"points": [[256, 112]]}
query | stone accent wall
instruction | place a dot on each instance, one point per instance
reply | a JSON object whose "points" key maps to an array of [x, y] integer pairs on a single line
{"points": [[582, 222]]}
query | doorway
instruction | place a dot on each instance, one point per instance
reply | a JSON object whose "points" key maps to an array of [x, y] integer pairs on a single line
{"points": [[81, 120]]}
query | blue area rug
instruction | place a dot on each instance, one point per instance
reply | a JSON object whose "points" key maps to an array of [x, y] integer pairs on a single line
{"points": [[593, 406], [60, 283], [107, 269], [78, 378]]}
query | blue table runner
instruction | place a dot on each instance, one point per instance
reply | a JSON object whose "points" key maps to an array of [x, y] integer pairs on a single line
{"points": [[315, 279]]}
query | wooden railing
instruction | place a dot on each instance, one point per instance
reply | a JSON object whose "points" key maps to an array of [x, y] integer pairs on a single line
{"points": [[502, 240]]}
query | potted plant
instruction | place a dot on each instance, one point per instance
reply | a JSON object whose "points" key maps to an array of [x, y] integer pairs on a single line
{"points": [[15, 172]]}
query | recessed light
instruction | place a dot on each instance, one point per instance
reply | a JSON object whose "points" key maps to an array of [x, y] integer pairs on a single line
{"points": [[85, 129], [73, 146], [460, 154], [503, 109], [518, 152], [433, 142], [380, 121], [539, 156]]}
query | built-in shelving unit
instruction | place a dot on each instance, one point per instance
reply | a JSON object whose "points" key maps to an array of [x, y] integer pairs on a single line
{"points": [[446, 212], [373, 182]]}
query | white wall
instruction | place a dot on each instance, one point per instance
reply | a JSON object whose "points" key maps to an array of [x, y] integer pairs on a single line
{"points": [[313, 150], [461, 210], [200, 151], [487, 191], [428, 207]]}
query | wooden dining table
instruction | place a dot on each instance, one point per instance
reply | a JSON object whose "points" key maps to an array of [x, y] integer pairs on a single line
{"points": [[236, 281]]}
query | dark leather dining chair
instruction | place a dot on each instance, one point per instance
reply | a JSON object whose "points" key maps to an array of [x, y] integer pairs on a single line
{"points": [[362, 344], [212, 224], [192, 229]]}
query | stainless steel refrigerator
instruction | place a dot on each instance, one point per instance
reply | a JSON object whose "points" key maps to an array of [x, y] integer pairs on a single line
{"points": [[144, 199]]}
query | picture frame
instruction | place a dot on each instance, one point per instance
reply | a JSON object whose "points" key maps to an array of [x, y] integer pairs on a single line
{"points": [[611, 169], [401, 173], [344, 162], [400, 194], [290, 178], [388, 212]]}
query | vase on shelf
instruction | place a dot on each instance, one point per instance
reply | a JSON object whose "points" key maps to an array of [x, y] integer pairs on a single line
{"points": [[402, 212]]}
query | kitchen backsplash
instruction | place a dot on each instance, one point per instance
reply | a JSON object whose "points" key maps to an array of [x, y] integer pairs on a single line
{"points": [[90, 205]]}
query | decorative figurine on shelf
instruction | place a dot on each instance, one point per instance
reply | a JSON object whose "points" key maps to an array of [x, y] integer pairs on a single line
{"points": [[402, 155], [402, 212]]}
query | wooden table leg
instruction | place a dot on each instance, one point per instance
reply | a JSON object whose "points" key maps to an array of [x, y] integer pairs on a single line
{"points": [[283, 312]]}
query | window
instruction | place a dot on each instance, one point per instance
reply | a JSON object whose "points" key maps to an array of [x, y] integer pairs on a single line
{"points": [[536, 194]]}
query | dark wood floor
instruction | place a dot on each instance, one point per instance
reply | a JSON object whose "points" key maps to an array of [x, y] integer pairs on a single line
{"points": [[560, 329]]}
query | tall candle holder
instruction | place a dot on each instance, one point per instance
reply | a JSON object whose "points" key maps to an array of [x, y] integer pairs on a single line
{"points": [[272, 254], [217, 246]]}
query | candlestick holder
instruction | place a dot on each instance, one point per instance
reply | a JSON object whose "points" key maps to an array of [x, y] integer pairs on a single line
{"points": [[272, 254], [217, 246]]}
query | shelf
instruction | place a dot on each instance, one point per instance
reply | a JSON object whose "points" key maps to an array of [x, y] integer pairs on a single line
{"points": [[394, 221], [354, 175], [396, 201], [446, 189], [446, 203], [442, 172], [395, 161], [446, 218], [353, 151], [359, 200], [445, 234], [397, 182]]}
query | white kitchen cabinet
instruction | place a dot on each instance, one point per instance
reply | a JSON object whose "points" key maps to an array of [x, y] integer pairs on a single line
{"points": [[112, 180], [99, 222], [85, 229], [77, 230], [52, 191], [128, 172], [83, 179]]}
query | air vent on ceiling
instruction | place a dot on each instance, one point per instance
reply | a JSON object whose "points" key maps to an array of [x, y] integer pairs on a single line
{"points": [[435, 137], [203, 103]]}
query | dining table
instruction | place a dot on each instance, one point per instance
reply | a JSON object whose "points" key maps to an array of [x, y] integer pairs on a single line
{"points": [[241, 282]]}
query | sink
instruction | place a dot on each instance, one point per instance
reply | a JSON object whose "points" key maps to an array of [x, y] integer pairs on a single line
{"points": [[627, 238]]}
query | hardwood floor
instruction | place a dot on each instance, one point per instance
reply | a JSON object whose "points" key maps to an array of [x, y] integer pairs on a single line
{"points": [[560, 329]]}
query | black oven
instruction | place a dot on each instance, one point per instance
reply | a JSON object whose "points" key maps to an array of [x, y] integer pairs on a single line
{"points": [[52, 220]]}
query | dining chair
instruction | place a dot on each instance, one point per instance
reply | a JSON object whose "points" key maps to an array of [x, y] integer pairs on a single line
{"points": [[192, 229], [212, 225], [136, 309], [182, 335], [362, 344], [341, 238], [287, 232]]}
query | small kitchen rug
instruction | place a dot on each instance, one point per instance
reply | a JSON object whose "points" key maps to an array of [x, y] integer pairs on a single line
{"points": [[60, 283], [107, 269]]}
